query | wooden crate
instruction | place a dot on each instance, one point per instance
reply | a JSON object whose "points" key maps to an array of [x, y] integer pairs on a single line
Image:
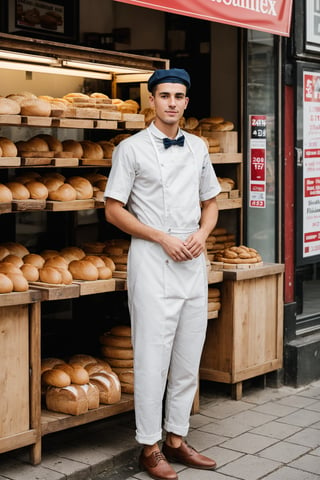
{"points": [[246, 339], [228, 140]]}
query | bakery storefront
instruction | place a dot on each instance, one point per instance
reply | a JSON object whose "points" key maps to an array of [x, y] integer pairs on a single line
{"points": [[73, 85]]}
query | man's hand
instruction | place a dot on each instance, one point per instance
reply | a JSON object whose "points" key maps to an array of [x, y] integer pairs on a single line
{"points": [[175, 248], [196, 243]]}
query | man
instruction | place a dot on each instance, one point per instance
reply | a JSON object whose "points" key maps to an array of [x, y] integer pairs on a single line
{"points": [[161, 190]]}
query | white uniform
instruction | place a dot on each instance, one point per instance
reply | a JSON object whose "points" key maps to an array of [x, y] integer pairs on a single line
{"points": [[167, 299]]}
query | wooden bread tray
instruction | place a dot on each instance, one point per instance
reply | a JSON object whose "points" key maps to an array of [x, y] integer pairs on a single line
{"points": [[73, 205], [10, 119], [29, 204], [72, 123], [105, 162], [37, 121], [88, 287], [50, 291], [19, 298], [107, 124], [107, 114], [10, 161], [127, 125]]}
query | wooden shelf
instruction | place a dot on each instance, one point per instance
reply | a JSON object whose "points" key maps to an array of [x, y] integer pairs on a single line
{"points": [[218, 158], [229, 203], [55, 422]]}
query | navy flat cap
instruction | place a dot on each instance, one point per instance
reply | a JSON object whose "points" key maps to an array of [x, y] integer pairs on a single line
{"points": [[172, 75]]}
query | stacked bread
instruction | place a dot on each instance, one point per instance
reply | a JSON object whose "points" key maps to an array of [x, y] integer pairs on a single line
{"points": [[218, 240], [116, 349], [30, 104], [214, 300], [238, 255], [227, 184], [12, 277], [79, 385], [216, 124]]}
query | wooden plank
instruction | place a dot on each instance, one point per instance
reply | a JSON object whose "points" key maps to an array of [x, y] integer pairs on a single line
{"points": [[96, 286], [213, 314], [73, 205], [31, 154], [82, 112], [10, 119], [27, 205], [32, 161], [51, 291], [228, 141], [105, 162], [10, 161], [58, 422], [14, 358], [65, 162], [19, 298], [261, 271], [106, 124], [37, 121], [18, 440], [5, 207], [229, 203], [215, 276], [35, 373], [131, 125], [119, 274], [132, 117], [231, 157], [72, 123], [107, 114]]}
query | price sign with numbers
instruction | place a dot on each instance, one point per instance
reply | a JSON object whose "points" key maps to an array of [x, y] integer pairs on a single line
{"points": [[257, 157]]}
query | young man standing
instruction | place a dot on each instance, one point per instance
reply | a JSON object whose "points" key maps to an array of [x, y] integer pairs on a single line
{"points": [[161, 190]]}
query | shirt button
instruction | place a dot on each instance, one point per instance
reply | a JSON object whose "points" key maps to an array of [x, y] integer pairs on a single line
{"points": [[167, 261]]}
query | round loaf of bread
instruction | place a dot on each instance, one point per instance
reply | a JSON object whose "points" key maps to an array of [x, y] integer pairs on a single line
{"points": [[49, 362], [34, 259], [82, 186], [18, 190], [95, 259], [56, 378], [57, 261], [77, 373], [74, 147], [52, 184], [117, 352], [16, 248], [109, 262], [4, 252], [115, 341], [82, 359], [45, 254], [191, 123], [5, 194], [64, 193], [6, 267], [66, 277], [126, 377], [104, 364], [121, 331], [35, 107], [92, 150], [30, 272], [8, 148], [74, 253], [9, 106], [35, 144], [107, 148], [50, 275], [53, 143], [120, 362], [6, 285], [105, 273], [16, 260], [127, 388], [38, 191], [19, 282], [83, 270]]}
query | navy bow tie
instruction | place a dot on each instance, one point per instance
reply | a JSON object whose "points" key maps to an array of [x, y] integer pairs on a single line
{"points": [[167, 142]]}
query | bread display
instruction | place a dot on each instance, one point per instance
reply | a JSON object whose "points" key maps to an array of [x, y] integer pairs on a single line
{"points": [[71, 399], [35, 107], [238, 255]]}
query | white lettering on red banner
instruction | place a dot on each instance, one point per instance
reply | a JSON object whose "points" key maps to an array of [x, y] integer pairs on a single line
{"points": [[257, 157]]}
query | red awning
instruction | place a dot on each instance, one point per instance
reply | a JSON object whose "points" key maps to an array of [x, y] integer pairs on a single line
{"points": [[272, 16]]}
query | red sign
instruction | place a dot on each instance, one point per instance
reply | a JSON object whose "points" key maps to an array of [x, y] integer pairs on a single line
{"points": [[273, 16], [258, 164]]}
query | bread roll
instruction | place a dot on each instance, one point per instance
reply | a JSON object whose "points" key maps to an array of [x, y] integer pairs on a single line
{"points": [[72, 253], [19, 282], [93, 395], [6, 267], [91, 150], [6, 285], [4, 252], [38, 191], [8, 148], [49, 362], [34, 144], [109, 387], [108, 262], [105, 273], [52, 184], [66, 277], [35, 107], [16, 248], [53, 143], [71, 400], [14, 259], [83, 270], [191, 123], [34, 259], [56, 378], [115, 341], [76, 372], [74, 147], [50, 275], [127, 388], [5, 194], [57, 261], [94, 247], [30, 272], [126, 376], [18, 190], [120, 362], [64, 193], [107, 148], [45, 254], [82, 359], [95, 259], [82, 186], [117, 352], [9, 106], [121, 330]]}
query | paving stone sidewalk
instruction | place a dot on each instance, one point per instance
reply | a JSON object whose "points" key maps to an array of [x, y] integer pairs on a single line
{"points": [[271, 433]]}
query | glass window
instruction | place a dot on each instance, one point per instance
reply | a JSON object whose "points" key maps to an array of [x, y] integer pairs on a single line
{"points": [[261, 111]]}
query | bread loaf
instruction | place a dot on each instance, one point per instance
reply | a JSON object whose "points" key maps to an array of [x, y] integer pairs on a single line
{"points": [[107, 148], [50, 275], [4, 252], [64, 193], [57, 261], [105, 273], [82, 186], [50, 362], [121, 330], [71, 400], [35, 107], [120, 362], [92, 393], [6, 285], [115, 341], [38, 191], [53, 143], [19, 282], [9, 106], [82, 359], [5, 194], [74, 147], [56, 378], [8, 148], [109, 387], [52, 184], [30, 272], [18, 191], [6, 267], [34, 259], [83, 270], [14, 259], [16, 248], [117, 352], [72, 253], [76, 372]]}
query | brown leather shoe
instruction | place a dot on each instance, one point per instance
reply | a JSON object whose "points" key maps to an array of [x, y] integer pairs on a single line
{"points": [[188, 456], [157, 466]]}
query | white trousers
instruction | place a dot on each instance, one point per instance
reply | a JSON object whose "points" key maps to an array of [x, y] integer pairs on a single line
{"points": [[168, 309]]}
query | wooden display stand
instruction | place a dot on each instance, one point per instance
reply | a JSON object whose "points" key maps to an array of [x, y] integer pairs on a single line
{"points": [[20, 372], [246, 339]]}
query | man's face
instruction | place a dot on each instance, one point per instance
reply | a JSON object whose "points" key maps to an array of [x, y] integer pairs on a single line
{"points": [[169, 101]]}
